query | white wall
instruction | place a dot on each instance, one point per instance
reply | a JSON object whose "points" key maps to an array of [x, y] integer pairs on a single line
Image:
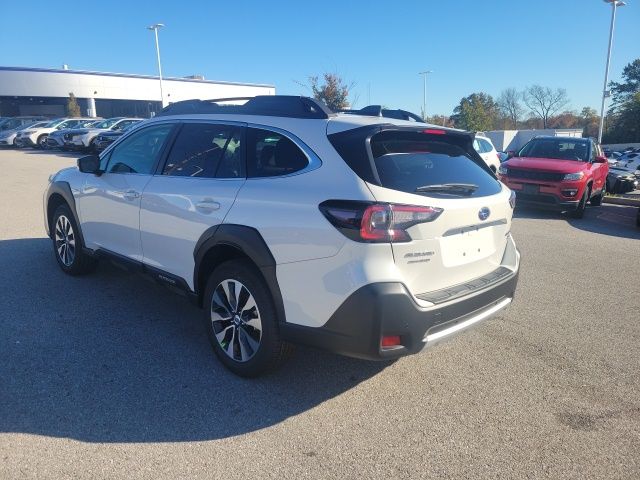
{"points": [[505, 140], [35, 83]]}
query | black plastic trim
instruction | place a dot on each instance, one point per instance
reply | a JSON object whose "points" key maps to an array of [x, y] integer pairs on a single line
{"points": [[64, 190], [173, 282], [381, 309], [467, 288], [268, 105], [249, 242]]}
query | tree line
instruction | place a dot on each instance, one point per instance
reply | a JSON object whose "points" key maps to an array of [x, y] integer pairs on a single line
{"points": [[535, 107]]}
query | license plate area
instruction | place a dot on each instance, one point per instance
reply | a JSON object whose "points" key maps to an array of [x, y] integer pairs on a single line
{"points": [[530, 189], [468, 246]]}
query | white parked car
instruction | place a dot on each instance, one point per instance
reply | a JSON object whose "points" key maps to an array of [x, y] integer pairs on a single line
{"points": [[84, 138], [56, 139], [487, 151], [8, 137], [37, 137], [371, 237]]}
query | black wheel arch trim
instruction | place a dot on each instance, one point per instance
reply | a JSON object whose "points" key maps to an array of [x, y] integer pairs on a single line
{"points": [[249, 241], [64, 190]]}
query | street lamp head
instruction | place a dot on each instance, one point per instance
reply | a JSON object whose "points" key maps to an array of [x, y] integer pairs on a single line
{"points": [[155, 26], [425, 72], [617, 3]]}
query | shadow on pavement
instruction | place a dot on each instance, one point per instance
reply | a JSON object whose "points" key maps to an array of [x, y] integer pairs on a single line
{"points": [[58, 153], [111, 358], [613, 220]]}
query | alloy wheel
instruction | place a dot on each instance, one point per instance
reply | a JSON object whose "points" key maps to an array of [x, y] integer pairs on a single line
{"points": [[235, 320], [65, 241]]}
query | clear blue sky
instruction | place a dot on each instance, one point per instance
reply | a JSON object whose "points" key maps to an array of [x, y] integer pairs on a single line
{"points": [[470, 45]]}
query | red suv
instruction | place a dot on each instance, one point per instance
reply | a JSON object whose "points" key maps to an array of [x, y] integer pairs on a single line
{"points": [[561, 173]]}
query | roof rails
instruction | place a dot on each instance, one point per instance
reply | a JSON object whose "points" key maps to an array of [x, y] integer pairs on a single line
{"points": [[269, 105], [379, 111]]}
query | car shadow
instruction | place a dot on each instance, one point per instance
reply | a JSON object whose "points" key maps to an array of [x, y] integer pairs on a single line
{"points": [[606, 219], [110, 358], [58, 153]]}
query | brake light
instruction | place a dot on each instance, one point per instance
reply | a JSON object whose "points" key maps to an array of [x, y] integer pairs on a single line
{"points": [[376, 222], [434, 131]]}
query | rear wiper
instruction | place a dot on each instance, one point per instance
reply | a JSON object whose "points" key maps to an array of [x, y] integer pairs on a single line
{"points": [[451, 188]]}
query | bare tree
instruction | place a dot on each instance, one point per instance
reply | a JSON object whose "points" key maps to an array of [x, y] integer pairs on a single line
{"points": [[509, 105], [545, 102]]}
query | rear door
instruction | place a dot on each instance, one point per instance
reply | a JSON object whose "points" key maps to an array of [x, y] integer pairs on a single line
{"points": [[193, 191], [468, 239]]}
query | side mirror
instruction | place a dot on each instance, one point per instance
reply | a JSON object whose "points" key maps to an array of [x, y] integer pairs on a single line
{"points": [[511, 154], [600, 159], [89, 164]]}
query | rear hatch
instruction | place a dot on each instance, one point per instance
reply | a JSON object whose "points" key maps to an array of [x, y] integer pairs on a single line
{"points": [[440, 169]]}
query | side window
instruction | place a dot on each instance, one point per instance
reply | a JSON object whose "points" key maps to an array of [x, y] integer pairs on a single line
{"points": [[139, 152], [206, 150], [476, 145], [486, 146], [271, 154]]}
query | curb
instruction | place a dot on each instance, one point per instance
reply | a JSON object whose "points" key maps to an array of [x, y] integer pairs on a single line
{"points": [[631, 202]]}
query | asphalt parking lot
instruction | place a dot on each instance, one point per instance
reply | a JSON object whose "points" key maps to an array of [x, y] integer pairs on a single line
{"points": [[110, 376]]}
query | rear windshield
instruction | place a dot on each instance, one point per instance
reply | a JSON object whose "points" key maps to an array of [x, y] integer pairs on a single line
{"points": [[427, 165]]}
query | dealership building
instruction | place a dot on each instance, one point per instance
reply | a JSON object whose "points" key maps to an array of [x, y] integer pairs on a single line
{"points": [[44, 91]]}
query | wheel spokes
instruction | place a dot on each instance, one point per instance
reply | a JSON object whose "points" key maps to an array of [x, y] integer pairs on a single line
{"points": [[235, 320]]}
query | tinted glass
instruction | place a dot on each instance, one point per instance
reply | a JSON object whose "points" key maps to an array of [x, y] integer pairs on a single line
{"points": [[233, 162], [405, 162], [139, 152], [271, 154], [200, 148], [560, 148], [486, 146]]}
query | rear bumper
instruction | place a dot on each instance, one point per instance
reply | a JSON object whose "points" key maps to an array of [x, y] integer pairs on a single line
{"points": [[388, 309]]}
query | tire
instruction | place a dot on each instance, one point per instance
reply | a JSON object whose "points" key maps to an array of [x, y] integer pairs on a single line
{"points": [[582, 206], [596, 200], [247, 340], [41, 143], [67, 246]]}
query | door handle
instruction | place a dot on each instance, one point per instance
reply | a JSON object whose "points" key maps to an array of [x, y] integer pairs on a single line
{"points": [[131, 194], [207, 205]]}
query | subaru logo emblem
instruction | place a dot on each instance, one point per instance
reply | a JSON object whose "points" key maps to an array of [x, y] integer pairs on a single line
{"points": [[484, 213]]}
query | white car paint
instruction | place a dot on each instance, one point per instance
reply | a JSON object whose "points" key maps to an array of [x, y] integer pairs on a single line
{"points": [[158, 220], [487, 151]]}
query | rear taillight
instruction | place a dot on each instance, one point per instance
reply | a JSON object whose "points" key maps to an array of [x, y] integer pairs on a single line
{"points": [[376, 222]]}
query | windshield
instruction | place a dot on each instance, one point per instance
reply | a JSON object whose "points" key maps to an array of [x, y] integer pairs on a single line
{"points": [[53, 123], [560, 148], [106, 123]]}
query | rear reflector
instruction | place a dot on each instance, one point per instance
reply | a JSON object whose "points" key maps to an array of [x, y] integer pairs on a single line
{"points": [[434, 131], [390, 341]]}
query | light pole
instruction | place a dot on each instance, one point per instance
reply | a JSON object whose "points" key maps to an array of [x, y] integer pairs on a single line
{"points": [[155, 27], [424, 98], [615, 4]]}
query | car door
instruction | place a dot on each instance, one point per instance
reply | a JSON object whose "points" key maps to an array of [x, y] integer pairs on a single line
{"points": [[109, 204], [192, 192]]}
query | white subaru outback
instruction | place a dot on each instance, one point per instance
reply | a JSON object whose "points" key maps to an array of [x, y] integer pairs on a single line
{"points": [[367, 236]]}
